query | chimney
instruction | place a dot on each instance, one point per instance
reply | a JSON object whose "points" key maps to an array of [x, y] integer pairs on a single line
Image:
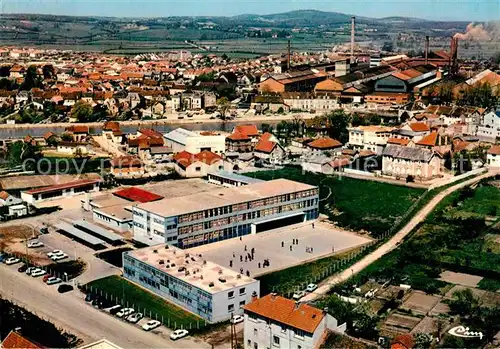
{"points": [[353, 33], [426, 49], [273, 296], [288, 57], [297, 305], [254, 296], [325, 310]]}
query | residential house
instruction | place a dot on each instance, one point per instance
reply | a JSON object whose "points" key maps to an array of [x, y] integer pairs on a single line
{"points": [[372, 138], [191, 165], [413, 131], [80, 133], [73, 148], [111, 132], [268, 103], [15, 340], [277, 322], [490, 125], [402, 162], [127, 166], [435, 141], [248, 130], [310, 102], [493, 156], [160, 154], [325, 145], [238, 143], [269, 149], [8, 200]]}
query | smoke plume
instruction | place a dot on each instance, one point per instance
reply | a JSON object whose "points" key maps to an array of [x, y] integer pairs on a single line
{"points": [[474, 32]]}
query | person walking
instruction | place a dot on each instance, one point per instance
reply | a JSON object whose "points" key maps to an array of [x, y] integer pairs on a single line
{"points": [[290, 247], [282, 244], [230, 264]]}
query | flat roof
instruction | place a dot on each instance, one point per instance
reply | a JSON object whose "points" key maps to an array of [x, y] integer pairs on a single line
{"points": [[235, 177], [37, 181], [118, 212], [98, 230], [190, 268], [79, 234], [57, 187], [223, 197], [137, 194]]}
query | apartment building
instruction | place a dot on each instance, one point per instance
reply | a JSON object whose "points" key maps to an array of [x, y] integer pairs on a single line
{"points": [[277, 322], [225, 213], [372, 138], [199, 286], [490, 125]]}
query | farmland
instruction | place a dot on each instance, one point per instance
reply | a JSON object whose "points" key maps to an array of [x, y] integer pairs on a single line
{"points": [[352, 203]]}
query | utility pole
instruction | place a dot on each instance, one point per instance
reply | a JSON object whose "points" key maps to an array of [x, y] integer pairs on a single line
{"points": [[234, 339]]}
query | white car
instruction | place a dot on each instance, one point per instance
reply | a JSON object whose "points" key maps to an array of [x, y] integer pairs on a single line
{"points": [[53, 280], [298, 295], [38, 272], [125, 312], [311, 287], [178, 334], [12, 260], [59, 257], [237, 319], [53, 253], [35, 244], [30, 270], [151, 325], [134, 318]]}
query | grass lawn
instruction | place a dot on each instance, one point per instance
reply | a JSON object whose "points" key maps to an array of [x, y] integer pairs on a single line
{"points": [[140, 299], [354, 203], [489, 285]]}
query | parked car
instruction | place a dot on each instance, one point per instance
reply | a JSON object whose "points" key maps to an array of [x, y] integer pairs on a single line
{"points": [[59, 257], [64, 288], [311, 287], [35, 244], [115, 309], [178, 334], [125, 312], [53, 253], [30, 270], [236, 319], [22, 268], [298, 295], [134, 318], [151, 325], [46, 277], [53, 280], [12, 260], [38, 272]]}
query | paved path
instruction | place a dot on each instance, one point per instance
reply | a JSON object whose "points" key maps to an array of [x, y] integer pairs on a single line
{"points": [[70, 312], [391, 244]]}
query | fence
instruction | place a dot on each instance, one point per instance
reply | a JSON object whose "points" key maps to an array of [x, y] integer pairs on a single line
{"points": [[336, 266], [149, 313]]}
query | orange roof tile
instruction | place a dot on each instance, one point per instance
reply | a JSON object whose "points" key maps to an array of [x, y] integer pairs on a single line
{"points": [[406, 340], [15, 341], [429, 140], [494, 150], [325, 143], [185, 158], [249, 130], [285, 311], [399, 141], [265, 146], [419, 127], [237, 136]]}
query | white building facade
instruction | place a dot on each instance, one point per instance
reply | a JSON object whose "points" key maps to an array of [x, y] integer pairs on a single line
{"points": [[181, 139]]}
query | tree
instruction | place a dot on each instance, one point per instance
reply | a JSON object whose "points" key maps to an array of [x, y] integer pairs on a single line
{"points": [[338, 121], [82, 111], [48, 71], [67, 137], [30, 79], [388, 46], [223, 105], [20, 151], [266, 128], [464, 303], [357, 120], [422, 341]]}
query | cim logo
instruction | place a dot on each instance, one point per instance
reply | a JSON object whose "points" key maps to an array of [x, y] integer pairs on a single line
{"points": [[464, 332]]}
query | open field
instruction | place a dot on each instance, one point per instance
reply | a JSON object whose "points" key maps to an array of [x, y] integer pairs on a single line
{"points": [[353, 203], [144, 301]]}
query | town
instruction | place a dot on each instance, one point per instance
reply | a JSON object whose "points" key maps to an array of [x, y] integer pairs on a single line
{"points": [[348, 198]]}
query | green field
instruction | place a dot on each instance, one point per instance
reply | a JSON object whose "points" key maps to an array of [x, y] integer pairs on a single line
{"points": [[144, 301], [454, 237], [353, 203]]}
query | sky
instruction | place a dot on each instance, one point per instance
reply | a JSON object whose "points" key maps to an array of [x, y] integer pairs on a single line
{"points": [[463, 10]]}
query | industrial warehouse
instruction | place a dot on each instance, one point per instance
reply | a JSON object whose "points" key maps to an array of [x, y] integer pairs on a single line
{"points": [[220, 214]]}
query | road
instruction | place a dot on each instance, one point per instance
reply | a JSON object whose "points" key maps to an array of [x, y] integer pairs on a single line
{"points": [[391, 244], [70, 312]]}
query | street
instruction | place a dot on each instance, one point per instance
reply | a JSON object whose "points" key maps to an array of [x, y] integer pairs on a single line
{"points": [[70, 312]]}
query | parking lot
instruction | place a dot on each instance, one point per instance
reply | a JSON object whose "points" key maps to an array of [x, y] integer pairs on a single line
{"points": [[313, 243]]}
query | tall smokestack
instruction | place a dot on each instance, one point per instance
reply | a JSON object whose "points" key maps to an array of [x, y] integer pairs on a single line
{"points": [[289, 54], [453, 56], [353, 33], [426, 49]]}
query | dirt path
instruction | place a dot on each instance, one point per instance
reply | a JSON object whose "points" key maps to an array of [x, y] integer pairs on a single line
{"points": [[392, 243]]}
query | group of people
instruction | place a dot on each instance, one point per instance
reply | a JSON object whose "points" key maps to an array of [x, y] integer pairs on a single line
{"points": [[249, 257]]}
